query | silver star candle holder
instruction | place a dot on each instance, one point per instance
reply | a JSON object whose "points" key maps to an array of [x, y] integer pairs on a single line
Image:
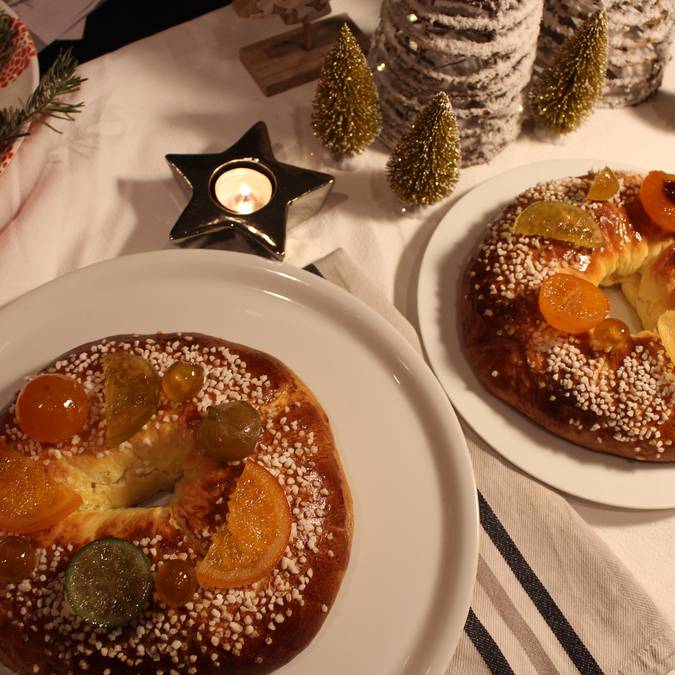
{"points": [[245, 190]]}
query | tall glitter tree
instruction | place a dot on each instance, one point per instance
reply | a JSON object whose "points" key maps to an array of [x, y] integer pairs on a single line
{"points": [[424, 166], [566, 92], [346, 109]]}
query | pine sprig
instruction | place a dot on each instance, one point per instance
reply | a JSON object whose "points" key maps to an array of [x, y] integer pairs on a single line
{"points": [[45, 102], [8, 32]]}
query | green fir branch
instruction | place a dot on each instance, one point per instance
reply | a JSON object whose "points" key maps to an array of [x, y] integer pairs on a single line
{"points": [[45, 102]]}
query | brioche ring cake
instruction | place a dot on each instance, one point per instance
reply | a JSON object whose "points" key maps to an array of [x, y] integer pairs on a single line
{"points": [[602, 388], [249, 625]]}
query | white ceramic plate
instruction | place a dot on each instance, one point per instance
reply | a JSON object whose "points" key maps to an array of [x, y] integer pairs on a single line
{"points": [[599, 478], [18, 89], [406, 594]]}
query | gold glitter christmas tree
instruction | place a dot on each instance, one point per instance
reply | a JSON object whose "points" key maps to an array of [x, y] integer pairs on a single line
{"points": [[565, 93], [346, 109], [424, 166]]}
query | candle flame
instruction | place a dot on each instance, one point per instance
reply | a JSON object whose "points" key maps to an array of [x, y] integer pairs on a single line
{"points": [[244, 202]]}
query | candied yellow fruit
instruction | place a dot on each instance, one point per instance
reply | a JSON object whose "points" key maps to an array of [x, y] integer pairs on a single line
{"points": [[182, 381], [131, 390], [610, 335], [561, 221], [176, 582], [17, 559], [603, 187]]}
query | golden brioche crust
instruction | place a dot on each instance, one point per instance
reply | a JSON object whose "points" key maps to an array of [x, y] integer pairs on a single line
{"points": [[620, 402], [253, 629]]}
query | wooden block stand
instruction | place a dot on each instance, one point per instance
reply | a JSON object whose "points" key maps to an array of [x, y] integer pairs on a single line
{"points": [[282, 62]]}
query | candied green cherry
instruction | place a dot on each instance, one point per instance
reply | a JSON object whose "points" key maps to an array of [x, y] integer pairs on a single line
{"points": [[230, 431]]}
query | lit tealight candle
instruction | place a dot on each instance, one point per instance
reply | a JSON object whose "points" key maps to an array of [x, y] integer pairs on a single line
{"points": [[243, 190]]}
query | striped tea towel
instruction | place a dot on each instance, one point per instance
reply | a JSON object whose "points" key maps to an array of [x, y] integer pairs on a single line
{"points": [[550, 596]]}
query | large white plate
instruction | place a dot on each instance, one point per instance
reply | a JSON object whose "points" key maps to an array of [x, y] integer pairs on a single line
{"points": [[16, 93], [409, 583], [600, 478]]}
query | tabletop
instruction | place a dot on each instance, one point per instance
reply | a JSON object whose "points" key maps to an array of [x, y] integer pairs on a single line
{"points": [[185, 91]]}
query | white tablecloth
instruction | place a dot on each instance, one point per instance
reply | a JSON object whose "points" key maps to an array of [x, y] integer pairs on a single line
{"points": [[103, 189]]}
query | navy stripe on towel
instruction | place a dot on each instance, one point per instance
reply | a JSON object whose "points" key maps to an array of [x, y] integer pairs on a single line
{"points": [[486, 646], [313, 269], [541, 598]]}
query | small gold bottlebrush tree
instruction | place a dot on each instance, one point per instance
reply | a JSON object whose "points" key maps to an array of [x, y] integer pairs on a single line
{"points": [[566, 92], [424, 166], [346, 109]]}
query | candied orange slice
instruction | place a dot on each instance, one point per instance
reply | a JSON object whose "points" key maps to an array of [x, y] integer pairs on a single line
{"points": [[30, 500], [256, 533], [131, 390], [559, 220], [604, 186], [571, 304], [665, 326], [657, 194]]}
